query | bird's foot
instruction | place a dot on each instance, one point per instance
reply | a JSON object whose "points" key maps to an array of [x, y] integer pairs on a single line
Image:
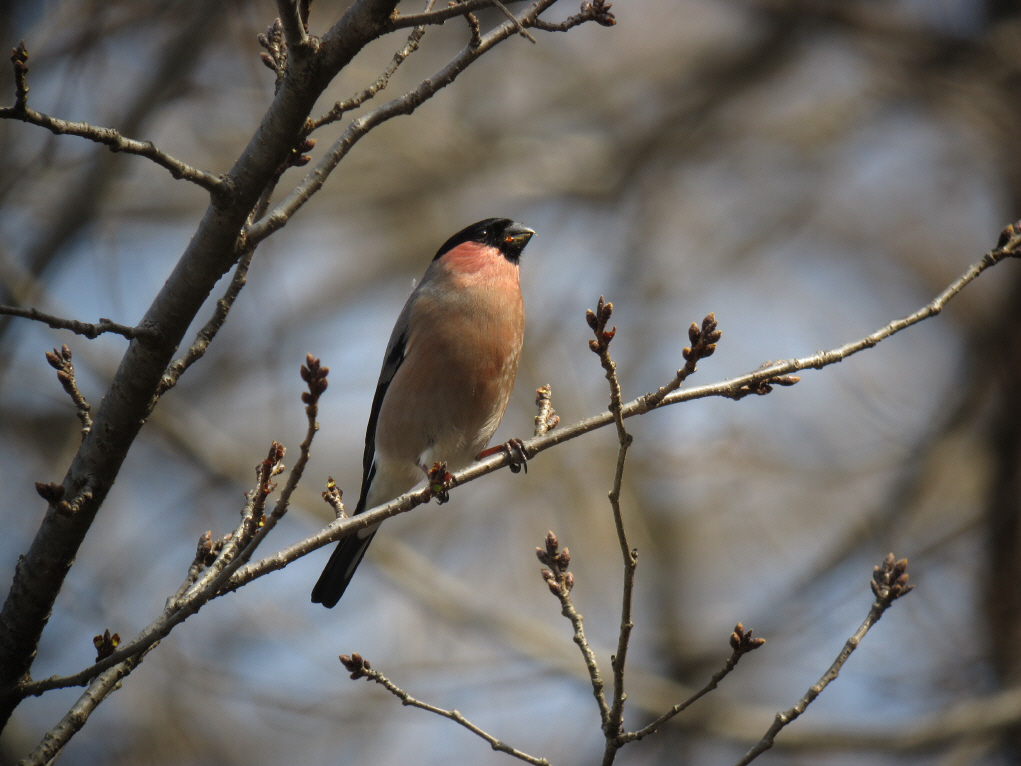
{"points": [[515, 449], [440, 482]]}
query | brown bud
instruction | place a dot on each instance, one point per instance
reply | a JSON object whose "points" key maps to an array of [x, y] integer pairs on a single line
{"points": [[51, 493]]}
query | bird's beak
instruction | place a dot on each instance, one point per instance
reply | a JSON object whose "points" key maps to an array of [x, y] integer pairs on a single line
{"points": [[517, 235]]}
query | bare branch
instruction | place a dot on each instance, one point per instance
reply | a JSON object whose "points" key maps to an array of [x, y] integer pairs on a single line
{"points": [[100, 688], [439, 16], [613, 725], [742, 642], [1008, 247], [514, 19], [405, 104], [60, 360], [88, 329], [889, 583], [342, 107], [596, 10], [703, 344], [205, 336], [359, 667], [117, 143], [560, 583]]}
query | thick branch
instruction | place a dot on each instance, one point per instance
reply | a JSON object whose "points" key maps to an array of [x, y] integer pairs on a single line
{"points": [[294, 27]]}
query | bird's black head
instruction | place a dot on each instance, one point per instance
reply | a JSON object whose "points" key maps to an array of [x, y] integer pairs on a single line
{"points": [[504, 234]]}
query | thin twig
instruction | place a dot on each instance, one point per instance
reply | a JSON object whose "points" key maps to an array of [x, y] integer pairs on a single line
{"points": [[342, 107], [560, 582], [521, 30], [889, 582], [100, 688], [440, 16], [234, 552], [742, 642], [60, 360], [118, 143], [205, 336], [594, 10], [703, 344], [401, 105], [613, 726], [88, 329], [359, 668], [1009, 246], [215, 185]]}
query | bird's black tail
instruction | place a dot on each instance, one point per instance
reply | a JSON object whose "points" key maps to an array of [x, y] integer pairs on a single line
{"points": [[341, 567]]}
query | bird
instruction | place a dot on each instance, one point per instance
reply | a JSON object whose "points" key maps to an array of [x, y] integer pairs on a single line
{"points": [[446, 379]]}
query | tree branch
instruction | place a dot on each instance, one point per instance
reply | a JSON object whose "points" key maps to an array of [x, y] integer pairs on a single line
{"points": [[210, 253], [889, 582], [737, 387], [402, 105], [560, 583], [359, 667], [742, 642], [89, 330], [342, 107], [215, 185], [295, 31]]}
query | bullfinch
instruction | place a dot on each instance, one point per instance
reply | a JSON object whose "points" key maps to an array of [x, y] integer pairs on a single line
{"points": [[447, 376]]}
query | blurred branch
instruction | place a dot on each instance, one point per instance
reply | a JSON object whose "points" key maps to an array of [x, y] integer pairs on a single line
{"points": [[89, 330], [76, 718], [889, 583], [440, 16], [359, 667]]}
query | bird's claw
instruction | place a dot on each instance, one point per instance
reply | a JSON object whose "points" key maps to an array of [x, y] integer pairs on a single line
{"points": [[515, 449]]}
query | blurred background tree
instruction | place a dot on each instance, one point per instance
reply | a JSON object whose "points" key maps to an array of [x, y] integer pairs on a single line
{"points": [[807, 170]]}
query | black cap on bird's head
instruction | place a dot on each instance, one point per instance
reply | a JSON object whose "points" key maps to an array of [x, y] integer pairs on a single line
{"points": [[504, 234]]}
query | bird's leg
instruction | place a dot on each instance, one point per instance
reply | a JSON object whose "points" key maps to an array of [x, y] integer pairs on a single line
{"points": [[515, 449]]}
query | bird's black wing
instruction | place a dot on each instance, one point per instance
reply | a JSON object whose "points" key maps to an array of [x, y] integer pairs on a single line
{"points": [[392, 362]]}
